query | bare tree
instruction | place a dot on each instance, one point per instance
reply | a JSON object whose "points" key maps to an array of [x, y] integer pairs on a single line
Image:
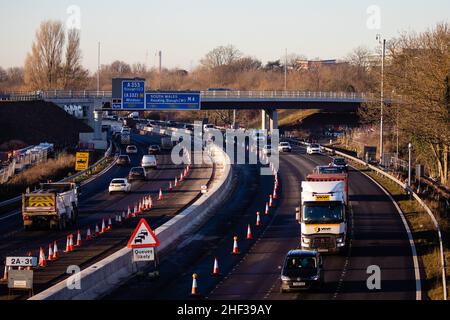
{"points": [[220, 56], [43, 64], [74, 75]]}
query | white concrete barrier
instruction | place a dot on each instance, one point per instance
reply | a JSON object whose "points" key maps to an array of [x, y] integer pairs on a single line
{"points": [[107, 274]]}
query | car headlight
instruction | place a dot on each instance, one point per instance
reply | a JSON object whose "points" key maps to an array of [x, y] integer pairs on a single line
{"points": [[306, 240], [340, 239], [284, 278], [315, 278]]}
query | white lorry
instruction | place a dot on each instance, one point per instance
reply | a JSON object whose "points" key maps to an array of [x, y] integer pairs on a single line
{"points": [[323, 213], [54, 206]]}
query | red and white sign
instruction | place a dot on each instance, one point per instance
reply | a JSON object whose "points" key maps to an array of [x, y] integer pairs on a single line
{"points": [[143, 236], [204, 189]]}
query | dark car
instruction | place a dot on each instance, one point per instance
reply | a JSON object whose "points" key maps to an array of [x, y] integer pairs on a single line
{"points": [[154, 149], [329, 170], [302, 270], [123, 160], [137, 173], [341, 163]]}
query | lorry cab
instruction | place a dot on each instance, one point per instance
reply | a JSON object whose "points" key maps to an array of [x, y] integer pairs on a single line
{"points": [[301, 270]]}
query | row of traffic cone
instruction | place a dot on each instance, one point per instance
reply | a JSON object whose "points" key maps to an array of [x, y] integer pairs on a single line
{"points": [[249, 236]]}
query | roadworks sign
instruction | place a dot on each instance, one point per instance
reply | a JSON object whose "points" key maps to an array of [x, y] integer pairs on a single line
{"points": [[82, 161], [143, 236]]}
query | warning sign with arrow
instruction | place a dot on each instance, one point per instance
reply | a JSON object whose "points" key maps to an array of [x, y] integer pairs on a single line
{"points": [[143, 236]]}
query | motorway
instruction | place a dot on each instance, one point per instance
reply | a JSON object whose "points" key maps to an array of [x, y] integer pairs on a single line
{"points": [[96, 204], [377, 237]]}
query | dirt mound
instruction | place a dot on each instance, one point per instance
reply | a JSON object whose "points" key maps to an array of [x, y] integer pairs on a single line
{"points": [[34, 122]]}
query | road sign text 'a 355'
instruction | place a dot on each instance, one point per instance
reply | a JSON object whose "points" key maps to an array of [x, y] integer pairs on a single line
{"points": [[143, 236]]}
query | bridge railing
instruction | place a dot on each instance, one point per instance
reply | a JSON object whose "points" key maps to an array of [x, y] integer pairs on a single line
{"points": [[210, 95]]}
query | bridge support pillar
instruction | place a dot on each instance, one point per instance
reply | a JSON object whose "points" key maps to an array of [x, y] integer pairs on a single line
{"points": [[273, 118], [269, 120], [263, 119], [97, 125]]}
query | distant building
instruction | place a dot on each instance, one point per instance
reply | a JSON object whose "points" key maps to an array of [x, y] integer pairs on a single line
{"points": [[308, 64]]}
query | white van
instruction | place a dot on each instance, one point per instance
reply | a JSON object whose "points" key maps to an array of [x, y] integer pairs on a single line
{"points": [[149, 161]]}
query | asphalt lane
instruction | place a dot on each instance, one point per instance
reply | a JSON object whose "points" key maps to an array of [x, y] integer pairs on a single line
{"points": [[195, 253], [95, 204], [378, 238]]}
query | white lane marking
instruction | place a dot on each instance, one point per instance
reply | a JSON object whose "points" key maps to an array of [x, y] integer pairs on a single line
{"points": [[410, 238], [14, 213], [349, 253]]}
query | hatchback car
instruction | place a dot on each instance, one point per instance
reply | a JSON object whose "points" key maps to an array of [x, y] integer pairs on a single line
{"points": [[123, 160], [302, 270], [313, 149], [119, 185], [340, 163], [131, 149], [137, 173], [154, 149], [284, 147]]}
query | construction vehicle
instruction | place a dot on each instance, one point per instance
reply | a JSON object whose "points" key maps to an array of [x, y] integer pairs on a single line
{"points": [[54, 205], [323, 212]]}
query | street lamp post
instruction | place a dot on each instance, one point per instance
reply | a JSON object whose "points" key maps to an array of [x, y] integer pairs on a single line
{"points": [[383, 55], [409, 167]]}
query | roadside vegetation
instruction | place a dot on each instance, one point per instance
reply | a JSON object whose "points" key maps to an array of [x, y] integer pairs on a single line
{"points": [[52, 169]]}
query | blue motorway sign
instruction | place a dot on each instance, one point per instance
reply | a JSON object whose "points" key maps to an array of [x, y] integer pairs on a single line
{"points": [[172, 100], [133, 94]]}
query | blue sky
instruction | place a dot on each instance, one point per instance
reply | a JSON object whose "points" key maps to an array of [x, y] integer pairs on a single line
{"points": [[187, 29]]}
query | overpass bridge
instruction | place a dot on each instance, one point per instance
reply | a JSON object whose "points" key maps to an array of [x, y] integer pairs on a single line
{"points": [[266, 101]]}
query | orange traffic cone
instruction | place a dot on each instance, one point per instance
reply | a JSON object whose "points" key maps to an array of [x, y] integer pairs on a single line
{"points": [[135, 211], [140, 206], [119, 219], [170, 186], [50, 252], [97, 232], [176, 182], [55, 251], [270, 201], [275, 196], [150, 202], [129, 213], [258, 219], [42, 261], [249, 232], [194, 284], [267, 208], [88, 234], [235, 246], [67, 244], [78, 239], [109, 224], [216, 271], [103, 227], [160, 197], [5, 274], [123, 215], [71, 247], [181, 177]]}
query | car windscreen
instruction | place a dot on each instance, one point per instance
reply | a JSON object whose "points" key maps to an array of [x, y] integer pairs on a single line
{"points": [[123, 157], [118, 181], [284, 144], [137, 170], [317, 212], [301, 263], [315, 146], [339, 162], [330, 170]]}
